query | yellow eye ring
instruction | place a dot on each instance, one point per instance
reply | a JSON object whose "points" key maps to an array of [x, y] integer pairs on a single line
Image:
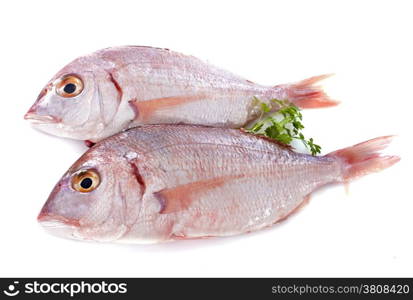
{"points": [[85, 181], [69, 86]]}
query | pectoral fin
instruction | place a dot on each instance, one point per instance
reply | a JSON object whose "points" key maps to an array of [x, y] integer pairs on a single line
{"points": [[181, 197], [144, 110]]}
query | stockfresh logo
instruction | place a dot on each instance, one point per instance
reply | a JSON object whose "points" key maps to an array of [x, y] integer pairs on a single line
{"points": [[12, 290], [65, 288]]}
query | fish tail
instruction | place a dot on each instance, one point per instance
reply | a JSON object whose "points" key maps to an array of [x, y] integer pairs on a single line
{"points": [[365, 158], [307, 94]]}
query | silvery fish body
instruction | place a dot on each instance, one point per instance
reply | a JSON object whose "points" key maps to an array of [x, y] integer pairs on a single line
{"points": [[113, 89], [165, 182]]}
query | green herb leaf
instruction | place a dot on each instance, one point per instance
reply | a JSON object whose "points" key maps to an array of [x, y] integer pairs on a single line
{"points": [[265, 107], [283, 129]]}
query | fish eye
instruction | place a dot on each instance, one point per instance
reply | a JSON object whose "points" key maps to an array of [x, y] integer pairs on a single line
{"points": [[85, 181], [69, 86]]}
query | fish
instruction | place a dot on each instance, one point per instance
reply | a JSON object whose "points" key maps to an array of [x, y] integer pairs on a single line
{"points": [[110, 90], [159, 183]]}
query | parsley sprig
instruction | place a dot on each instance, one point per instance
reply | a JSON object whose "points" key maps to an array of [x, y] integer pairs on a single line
{"points": [[283, 126]]}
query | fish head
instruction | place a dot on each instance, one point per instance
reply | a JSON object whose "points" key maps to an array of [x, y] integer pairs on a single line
{"points": [[78, 102], [97, 199]]}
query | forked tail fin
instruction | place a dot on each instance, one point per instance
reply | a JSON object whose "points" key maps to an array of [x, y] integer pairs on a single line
{"points": [[365, 158], [306, 94]]}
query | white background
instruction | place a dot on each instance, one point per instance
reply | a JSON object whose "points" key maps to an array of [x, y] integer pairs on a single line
{"points": [[367, 44]]}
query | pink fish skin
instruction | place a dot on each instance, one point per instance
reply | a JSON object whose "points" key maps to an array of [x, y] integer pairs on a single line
{"points": [[166, 182], [128, 86]]}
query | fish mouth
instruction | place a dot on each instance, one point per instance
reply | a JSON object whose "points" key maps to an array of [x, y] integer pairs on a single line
{"points": [[41, 119], [58, 226], [51, 220]]}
